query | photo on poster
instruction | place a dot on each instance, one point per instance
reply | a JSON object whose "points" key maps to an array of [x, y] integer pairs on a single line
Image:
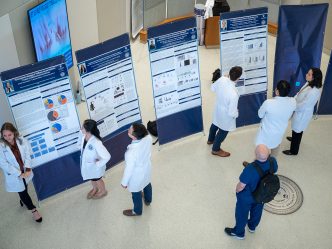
{"points": [[8, 86], [152, 44], [224, 24], [82, 69]]}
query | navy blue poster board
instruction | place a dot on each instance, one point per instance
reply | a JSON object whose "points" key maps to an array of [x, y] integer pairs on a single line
{"points": [[299, 42], [176, 82], [243, 42], [62, 172], [325, 103], [102, 67]]}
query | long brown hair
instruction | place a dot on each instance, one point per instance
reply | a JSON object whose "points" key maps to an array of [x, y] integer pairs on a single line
{"points": [[10, 127]]}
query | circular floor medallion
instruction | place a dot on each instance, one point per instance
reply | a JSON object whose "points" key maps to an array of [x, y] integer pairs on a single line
{"points": [[288, 200]]}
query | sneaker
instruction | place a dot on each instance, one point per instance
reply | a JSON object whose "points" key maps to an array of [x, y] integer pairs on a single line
{"points": [[251, 230], [147, 203], [229, 232]]}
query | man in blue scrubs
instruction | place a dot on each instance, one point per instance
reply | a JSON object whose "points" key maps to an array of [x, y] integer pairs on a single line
{"points": [[249, 179]]}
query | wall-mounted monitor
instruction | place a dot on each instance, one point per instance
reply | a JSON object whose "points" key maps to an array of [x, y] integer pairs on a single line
{"points": [[50, 30]]}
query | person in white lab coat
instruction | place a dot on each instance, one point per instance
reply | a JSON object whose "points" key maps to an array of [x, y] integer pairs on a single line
{"points": [[137, 173], [225, 112], [15, 164], [306, 99], [275, 114], [94, 157]]}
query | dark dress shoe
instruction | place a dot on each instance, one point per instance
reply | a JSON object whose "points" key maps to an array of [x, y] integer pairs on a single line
{"points": [[209, 142], [129, 212], [288, 153], [289, 139], [245, 163]]}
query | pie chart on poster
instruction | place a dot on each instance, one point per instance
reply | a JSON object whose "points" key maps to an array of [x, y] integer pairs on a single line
{"points": [[62, 99], [48, 103], [56, 128], [53, 115]]}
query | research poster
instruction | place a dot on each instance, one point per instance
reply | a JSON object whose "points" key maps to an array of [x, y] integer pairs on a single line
{"points": [[174, 70], [243, 42], [44, 111], [108, 81]]}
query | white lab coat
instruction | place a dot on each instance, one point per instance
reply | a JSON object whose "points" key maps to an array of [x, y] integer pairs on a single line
{"points": [[306, 100], [93, 159], [225, 112], [137, 173], [275, 114], [11, 168]]}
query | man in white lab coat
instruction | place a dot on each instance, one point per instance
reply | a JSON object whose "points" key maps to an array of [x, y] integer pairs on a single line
{"points": [[275, 114], [137, 174], [225, 112]]}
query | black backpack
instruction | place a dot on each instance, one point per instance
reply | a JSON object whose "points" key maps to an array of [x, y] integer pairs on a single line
{"points": [[268, 186], [152, 129], [215, 75]]}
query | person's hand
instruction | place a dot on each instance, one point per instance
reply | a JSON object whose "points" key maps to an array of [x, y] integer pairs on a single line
{"points": [[27, 174], [22, 175], [123, 186]]}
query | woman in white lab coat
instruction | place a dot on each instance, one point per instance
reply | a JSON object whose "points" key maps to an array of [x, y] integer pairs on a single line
{"points": [[225, 112], [137, 174], [275, 114], [306, 99], [15, 164], [94, 157]]}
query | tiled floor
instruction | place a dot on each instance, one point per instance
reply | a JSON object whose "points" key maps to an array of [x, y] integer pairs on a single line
{"points": [[193, 191]]}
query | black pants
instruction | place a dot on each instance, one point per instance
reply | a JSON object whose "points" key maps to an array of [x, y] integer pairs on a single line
{"points": [[25, 197], [295, 143]]}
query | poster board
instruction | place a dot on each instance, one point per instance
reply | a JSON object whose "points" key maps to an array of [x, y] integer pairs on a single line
{"points": [[43, 107], [174, 63], [243, 42]]}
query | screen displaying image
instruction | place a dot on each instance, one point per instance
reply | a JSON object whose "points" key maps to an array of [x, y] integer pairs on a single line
{"points": [[50, 30]]}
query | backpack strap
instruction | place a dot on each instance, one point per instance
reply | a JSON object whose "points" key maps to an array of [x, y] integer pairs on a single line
{"points": [[258, 169], [261, 172], [271, 166]]}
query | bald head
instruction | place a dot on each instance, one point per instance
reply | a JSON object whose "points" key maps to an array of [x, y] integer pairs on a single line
{"points": [[262, 152]]}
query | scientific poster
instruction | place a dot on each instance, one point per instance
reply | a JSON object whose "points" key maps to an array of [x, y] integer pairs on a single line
{"points": [[174, 70], [44, 111], [175, 79], [108, 81], [243, 42]]}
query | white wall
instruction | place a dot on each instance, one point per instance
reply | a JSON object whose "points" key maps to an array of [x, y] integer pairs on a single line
{"points": [[8, 60], [83, 27], [113, 18]]}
